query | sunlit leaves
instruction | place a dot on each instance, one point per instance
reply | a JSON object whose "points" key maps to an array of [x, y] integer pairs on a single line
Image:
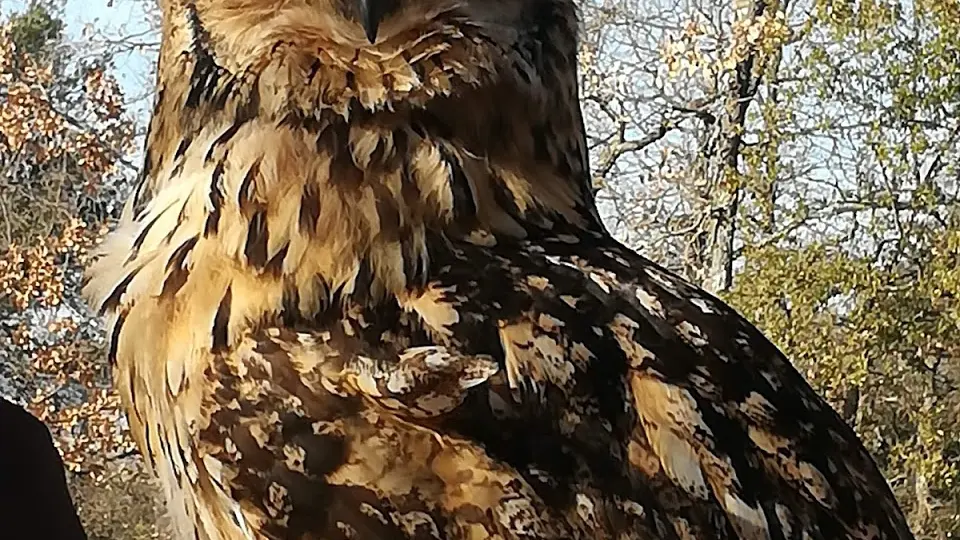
{"points": [[61, 132], [848, 179], [881, 345]]}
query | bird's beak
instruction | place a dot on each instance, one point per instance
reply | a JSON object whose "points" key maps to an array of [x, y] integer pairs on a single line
{"points": [[371, 13]]}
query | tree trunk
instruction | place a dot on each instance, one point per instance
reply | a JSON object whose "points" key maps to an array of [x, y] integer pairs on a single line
{"points": [[724, 171]]}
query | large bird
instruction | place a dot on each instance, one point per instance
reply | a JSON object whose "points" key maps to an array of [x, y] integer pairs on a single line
{"points": [[362, 291]]}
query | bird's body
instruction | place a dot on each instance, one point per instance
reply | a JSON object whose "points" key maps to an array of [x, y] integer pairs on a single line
{"points": [[362, 292]]}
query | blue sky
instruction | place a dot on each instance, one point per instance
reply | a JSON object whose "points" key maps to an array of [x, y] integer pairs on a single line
{"points": [[105, 21], [90, 11], [109, 19]]}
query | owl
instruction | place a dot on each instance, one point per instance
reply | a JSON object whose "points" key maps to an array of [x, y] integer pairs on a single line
{"points": [[362, 291]]}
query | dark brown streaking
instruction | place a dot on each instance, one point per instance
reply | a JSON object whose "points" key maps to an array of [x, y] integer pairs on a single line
{"points": [[362, 292]]}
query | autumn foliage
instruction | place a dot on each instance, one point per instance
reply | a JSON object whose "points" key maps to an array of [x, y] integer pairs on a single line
{"points": [[800, 159], [64, 131], [75, 143]]}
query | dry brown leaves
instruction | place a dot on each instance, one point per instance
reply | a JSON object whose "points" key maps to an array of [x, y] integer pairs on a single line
{"points": [[64, 364]]}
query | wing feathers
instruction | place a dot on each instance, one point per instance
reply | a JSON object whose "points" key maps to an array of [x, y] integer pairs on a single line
{"points": [[299, 429], [715, 433]]}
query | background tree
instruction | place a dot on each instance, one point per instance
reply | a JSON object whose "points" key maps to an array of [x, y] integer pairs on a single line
{"points": [[800, 158], [65, 143]]}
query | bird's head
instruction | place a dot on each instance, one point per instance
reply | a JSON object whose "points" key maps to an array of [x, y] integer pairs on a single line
{"points": [[387, 50], [362, 23], [491, 84]]}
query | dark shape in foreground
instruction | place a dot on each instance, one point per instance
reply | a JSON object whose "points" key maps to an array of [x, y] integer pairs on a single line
{"points": [[34, 500]]}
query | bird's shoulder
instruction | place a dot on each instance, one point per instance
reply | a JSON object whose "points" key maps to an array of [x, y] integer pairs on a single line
{"points": [[625, 358], [504, 386]]}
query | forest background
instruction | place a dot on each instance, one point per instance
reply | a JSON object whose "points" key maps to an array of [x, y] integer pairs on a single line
{"points": [[798, 158]]}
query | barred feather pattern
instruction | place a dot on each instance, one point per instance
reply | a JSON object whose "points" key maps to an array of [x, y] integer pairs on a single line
{"points": [[362, 291]]}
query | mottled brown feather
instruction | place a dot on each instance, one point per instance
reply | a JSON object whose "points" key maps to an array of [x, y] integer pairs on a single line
{"points": [[362, 291]]}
